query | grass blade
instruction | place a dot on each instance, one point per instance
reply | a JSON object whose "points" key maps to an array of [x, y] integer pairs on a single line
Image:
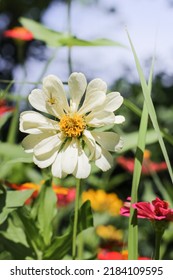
{"points": [[151, 109]]}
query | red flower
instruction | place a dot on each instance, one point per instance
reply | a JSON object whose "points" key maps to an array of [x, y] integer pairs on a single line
{"points": [[20, 33], [113, 255], [147, 167], [4, 108], [66, 197], [156, 210]]}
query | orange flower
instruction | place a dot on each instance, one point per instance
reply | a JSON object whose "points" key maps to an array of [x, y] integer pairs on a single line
{"points": [[64, 195], [148, 166], [20, 33]]}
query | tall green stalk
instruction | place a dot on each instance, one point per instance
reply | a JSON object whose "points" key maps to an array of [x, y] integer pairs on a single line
{"points": [[159, 227], [146, 89], [76, 210], [133, 225]]}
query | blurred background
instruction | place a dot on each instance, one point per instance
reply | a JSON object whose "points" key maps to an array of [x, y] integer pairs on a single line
{"points": [[148, 22]]}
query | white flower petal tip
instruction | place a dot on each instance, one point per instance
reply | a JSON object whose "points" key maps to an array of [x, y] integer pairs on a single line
{"points": [[70, 141]]}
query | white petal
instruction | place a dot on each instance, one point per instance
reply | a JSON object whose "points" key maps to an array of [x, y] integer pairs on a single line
{"points": [[45, 160], [47, 145], [77, 85], [83, 167], [105, 162], [97, 85], [108, 140], [57, 167], [69, 156], [92, 100], [113, 101], [35, 123], [119, 119], [95, 150], [37, 99], [53, 87], [46, 101], [100, 118], [30, 141]]}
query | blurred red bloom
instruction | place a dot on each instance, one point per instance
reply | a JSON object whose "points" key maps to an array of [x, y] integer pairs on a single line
{"points": [[156, 210], [113, 255], [148, 166], [20, 33], [64, 195], [4, 108]]}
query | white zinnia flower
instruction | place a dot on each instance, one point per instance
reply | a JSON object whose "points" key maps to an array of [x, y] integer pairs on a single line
{"points": [[70, 141]]}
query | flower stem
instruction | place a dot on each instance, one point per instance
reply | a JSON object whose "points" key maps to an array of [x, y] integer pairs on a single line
{"points": [[75, 219], [157, 245]]}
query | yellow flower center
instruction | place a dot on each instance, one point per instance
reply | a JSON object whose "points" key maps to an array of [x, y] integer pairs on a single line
{"points": [[72, 126]]}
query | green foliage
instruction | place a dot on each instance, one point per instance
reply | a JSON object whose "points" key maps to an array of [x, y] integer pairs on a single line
{"points": [[57, 39], [62, 245], [10, 201]]}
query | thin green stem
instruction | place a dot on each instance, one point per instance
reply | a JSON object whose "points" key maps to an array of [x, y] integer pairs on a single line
{"points": [[11, 138], [69, 32], [75, 219], [158, 238]]}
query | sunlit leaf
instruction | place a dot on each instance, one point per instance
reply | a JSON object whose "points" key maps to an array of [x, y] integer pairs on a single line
{"points": [[141, 142], [56, 39]]}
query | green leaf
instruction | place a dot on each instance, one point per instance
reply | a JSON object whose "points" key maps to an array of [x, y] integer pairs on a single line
{"points": [[4, 118], [18, 251], [56, 39], [85, 216], [14, 199], [2, 198], [34, 238], [133, 222], [13, 151], [14, 233], [47, 210], [62, 245], [130, 140]]}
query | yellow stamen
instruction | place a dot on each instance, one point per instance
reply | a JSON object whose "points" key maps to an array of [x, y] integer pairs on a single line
{"points": [[72, 126], [51, 100]]}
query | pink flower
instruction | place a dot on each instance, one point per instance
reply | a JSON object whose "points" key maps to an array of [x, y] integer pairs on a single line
{"points": [[148, 166], [156, 210]]}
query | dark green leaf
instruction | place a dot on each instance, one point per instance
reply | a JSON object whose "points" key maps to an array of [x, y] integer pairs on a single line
{"points": [[2, 197], [4, 118], [34, 239], [62, 245]]}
